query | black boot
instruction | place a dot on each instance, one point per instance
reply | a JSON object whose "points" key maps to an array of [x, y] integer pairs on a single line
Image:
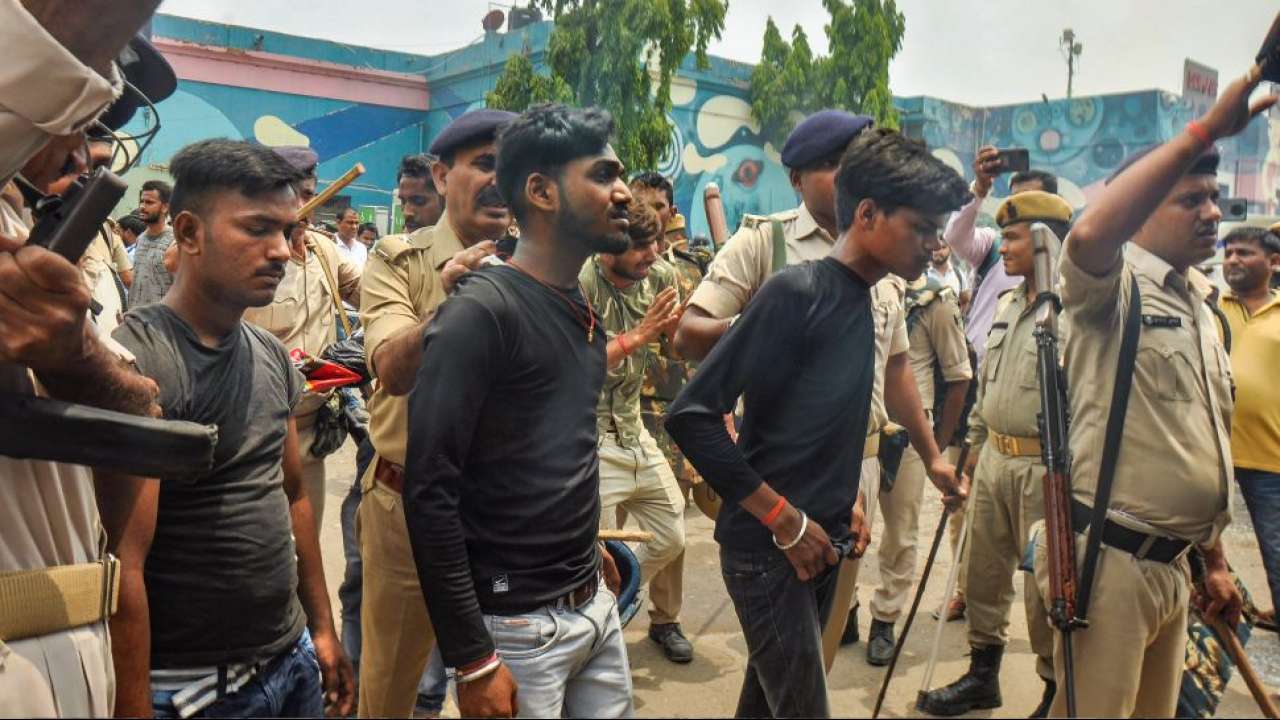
{"points": [[1042, 710], [850, 635], [880, 643], [977, 689]]}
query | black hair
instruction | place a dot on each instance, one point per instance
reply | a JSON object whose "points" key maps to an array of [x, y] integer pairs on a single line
{"points": [[1048, 181], [343, 213], [657, 181], [159, 187], [543, 140], [368, 226], [417, 165], [1265, 239], [133, 224], [644, 227], [224, 165], [895, 171]]}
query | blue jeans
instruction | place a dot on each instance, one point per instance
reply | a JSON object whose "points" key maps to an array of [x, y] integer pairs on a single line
{"points": [[288, 686], [782, 620], [349, 592], [1261, 491]]}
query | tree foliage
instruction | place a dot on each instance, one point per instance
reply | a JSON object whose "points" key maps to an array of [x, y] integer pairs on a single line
{"points": [[520, 86], [619, 55], [789, 81]]}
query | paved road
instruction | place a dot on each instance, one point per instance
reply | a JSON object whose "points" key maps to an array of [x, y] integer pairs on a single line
{"points": [[708, 687]]}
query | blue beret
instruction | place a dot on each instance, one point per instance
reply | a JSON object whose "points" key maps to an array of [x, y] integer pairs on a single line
{"points": [[820, 135], [303, 159], [477, 126], [1206, 164]]}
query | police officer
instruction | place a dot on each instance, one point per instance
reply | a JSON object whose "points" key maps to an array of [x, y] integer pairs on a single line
{"points": [[939, 361], [402, 287], [302, 316], [55, 654], [764, 245], [1007, 497], [1170, 487]]}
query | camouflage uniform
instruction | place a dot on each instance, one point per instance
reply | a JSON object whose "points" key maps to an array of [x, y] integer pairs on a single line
{"points": [[664, 376]]}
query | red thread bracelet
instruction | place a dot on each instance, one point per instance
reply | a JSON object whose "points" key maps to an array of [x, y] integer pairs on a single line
{"points": [[622, 343], [773, 514], [1195, 128]]}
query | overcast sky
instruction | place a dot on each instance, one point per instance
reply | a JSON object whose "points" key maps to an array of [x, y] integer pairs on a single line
{"points": [[978, 52]]}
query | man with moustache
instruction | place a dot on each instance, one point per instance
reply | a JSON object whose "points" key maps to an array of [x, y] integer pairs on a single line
{"points": [[502, 490], [402, 288], [238, 613]]}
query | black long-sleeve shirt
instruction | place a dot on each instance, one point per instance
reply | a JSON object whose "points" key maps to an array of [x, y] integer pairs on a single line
{"points": [[802, 356], [502, 484]]}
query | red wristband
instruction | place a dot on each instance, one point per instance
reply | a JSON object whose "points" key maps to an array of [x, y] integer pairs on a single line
{"points": [[1196, 129], [622, 343], [773, 513]]}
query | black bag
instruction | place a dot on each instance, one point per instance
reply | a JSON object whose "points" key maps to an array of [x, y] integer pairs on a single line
{"points": [[330, 428], [891, 448], [349, 353]]}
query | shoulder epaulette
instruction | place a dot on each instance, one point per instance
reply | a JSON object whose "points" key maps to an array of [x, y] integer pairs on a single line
{"points": [[391, 247]]}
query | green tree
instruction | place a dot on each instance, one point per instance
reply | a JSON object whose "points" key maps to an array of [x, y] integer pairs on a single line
{"points": [[862, 37], [620, 55], [520, 86]]}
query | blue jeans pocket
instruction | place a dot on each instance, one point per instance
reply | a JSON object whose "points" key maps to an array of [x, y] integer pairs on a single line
{"points": [[523, 636]]}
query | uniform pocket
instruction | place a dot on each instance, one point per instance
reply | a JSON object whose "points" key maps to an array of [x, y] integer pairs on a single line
{"points": [[1170, 371], [995, 349], [1027, 377]]}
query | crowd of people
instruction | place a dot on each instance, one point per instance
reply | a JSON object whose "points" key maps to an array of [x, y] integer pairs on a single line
{"points": [[544, 354]]}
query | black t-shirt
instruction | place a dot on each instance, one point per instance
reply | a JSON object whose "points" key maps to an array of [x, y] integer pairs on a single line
{"points": [[802, 356], [222, 572], [502, 484]]}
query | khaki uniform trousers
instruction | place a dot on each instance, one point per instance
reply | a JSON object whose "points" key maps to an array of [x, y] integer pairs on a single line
{"points": [[1007, 499], [847, 579], [313, 476], [62, 674], [1129, 661], [900, 520], [638, 480], [396, 632]]}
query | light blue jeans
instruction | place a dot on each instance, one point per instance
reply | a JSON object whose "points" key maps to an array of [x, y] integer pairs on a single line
{"points": [[567, 662]]}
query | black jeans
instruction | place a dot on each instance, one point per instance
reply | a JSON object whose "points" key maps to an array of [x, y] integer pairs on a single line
{"points": [[782, 620]]}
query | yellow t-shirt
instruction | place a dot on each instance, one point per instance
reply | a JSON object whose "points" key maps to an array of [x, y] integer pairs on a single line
{"points": [[1255, 346]]}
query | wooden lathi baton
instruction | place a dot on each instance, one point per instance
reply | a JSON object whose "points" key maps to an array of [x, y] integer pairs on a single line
{"points": [[915, 604], [716, 223], [1231, 642], [334, 188], [626, 535]]}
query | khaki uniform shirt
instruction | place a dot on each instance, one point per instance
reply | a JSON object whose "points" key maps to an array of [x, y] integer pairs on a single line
{"points": [[401, 288], [746, 260], [891, 339], [48, 515], [618, 408], [302, 314], [1174, 465], [938, 337], [1008, 398]]}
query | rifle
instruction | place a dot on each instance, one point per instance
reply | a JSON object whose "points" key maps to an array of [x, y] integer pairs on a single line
{"points": [[1060, 538]]}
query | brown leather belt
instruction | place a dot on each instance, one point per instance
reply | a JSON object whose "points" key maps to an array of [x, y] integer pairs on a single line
{"points": [[390, 475], [579, 596]]}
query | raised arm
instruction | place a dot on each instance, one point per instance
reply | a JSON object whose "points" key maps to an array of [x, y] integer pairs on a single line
{"points": [[1125, 204]]}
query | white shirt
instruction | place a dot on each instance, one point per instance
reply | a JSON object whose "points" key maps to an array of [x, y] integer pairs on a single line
{"points": [[950, 278], [356, 252]]}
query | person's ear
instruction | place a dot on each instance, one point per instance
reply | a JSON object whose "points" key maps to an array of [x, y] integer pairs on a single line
{"points": [[189, 233], [440, 176], [795, 179], [864, 215], [542, 193]]}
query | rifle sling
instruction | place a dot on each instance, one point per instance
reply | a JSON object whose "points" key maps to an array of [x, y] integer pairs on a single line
{"points": [[1111, 445]]}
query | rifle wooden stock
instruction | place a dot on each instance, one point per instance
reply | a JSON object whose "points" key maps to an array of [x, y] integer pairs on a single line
{"points": [[334, 188], [716, 223]]}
